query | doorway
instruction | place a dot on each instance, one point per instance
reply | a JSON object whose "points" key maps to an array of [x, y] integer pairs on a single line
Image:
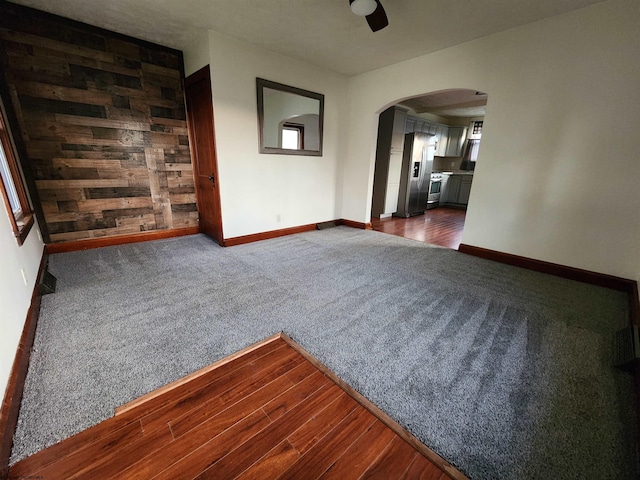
{"points": [[203, 151], [451, 120]]}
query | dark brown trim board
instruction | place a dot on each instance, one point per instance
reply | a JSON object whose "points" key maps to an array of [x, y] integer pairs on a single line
{"points": [[119, 240], [13, 394], [353, 224], [255, 237], [585, 276]]}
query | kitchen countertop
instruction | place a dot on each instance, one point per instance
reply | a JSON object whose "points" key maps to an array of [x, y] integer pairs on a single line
{"points": [[458, 172]]}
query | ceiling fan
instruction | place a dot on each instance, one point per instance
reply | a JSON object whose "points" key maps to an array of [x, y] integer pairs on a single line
{"points": [[373, 11]]}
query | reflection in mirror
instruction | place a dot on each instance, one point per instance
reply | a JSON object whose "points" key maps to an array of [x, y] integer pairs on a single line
{"points": [[290, 119]]}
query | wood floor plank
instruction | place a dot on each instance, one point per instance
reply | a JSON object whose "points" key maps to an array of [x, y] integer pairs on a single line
{"points": [[311, 432], [393, 462], [362, 453], [441, 226], [279, 406], [324, 454], [195, 451], [224, 390], [423, 469], [126, 455], [111, 428], [273, 463], [256, 400], [300, 372], [77, 463], [246, 454]]}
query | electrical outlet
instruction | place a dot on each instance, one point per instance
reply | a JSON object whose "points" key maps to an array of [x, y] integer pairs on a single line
{"points": [[453, 163], [278, 218], [24, 276]]}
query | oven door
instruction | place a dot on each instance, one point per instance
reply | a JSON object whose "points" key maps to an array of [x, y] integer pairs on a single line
{"points": [[434, 193]]}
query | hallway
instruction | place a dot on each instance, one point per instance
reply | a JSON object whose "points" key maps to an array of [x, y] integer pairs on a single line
{"points": [[441, 226]]}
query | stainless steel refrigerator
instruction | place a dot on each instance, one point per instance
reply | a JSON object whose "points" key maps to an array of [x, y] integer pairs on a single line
{"points": [[417, 163]]}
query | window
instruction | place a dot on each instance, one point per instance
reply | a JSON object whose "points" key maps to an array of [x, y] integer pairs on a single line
{"points": [[12, 187], [293, 136]]}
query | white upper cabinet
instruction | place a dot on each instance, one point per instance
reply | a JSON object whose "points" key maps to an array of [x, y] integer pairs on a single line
{"points": [[449, 139]]}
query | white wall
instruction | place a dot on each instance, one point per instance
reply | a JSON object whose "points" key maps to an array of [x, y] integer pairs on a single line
{"points": [[15, 296], [269, 192], [558, 174]]}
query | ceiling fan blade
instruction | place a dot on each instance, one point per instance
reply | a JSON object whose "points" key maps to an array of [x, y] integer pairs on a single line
{"points": [[378, 19]]}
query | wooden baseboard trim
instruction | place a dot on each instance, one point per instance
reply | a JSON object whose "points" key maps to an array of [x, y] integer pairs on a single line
{"points": [[15, 387], [256, 237], [353, 224], [89, 243], [382, 416], [585, 276]]}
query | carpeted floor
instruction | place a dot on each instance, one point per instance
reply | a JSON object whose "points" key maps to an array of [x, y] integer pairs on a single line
{"points": [[502, 371]]}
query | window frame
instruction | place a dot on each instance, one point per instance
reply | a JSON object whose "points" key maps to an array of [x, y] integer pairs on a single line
{"points": [[22, 221]]}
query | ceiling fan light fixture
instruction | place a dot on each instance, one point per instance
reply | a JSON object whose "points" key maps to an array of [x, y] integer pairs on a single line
{"points": [[363, 8]]}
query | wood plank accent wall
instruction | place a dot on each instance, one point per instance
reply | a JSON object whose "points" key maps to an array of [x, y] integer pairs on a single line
{"points": [[103, 125]]}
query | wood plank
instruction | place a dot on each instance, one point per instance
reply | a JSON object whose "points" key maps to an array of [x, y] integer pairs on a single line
{"points": [[36, 41], [93, 183], [247, 453], [183, 424], [440, 226], [362, 453], [108, 466], [325, 453], [273, 463], [322, 423], [57, 92], [78, 449], [186, 412], [422, 469], [393, 462], [188, 455]]}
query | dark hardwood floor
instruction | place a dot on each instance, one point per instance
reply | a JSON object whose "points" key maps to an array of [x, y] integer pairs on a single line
{"points": [[270, 411], [440, 226]]}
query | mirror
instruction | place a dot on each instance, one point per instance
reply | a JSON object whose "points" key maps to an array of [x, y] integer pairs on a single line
{"points": [[289, 119]]}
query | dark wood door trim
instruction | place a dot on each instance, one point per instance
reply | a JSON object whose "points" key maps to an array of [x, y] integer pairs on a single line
{"points": [[204, 75]]}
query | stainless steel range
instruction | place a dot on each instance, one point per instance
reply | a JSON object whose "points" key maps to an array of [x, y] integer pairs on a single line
{"points": [[435, 184]]}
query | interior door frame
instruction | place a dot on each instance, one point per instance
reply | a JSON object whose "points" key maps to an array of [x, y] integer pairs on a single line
{"points": [[204, 74]]}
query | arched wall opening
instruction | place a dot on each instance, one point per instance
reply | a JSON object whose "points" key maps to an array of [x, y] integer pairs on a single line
{"points": [[426, 152]]}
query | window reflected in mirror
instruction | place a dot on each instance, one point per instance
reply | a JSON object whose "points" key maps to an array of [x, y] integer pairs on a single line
{"points": [[290, 119]]}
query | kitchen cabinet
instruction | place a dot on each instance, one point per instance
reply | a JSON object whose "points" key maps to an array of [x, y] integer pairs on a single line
{"points": [[389, 150], [456, 188], [442, 136], [455, 141], [449, 139], [465, 189]]}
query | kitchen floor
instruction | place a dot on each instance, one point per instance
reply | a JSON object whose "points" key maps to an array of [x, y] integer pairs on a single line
{"points": [[440, 226]]}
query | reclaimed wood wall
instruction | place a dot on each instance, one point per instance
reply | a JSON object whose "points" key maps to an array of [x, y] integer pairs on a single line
{"points": [[102, 118]]}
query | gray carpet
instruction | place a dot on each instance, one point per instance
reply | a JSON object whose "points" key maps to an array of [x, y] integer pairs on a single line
{"points": [[502, 371]]}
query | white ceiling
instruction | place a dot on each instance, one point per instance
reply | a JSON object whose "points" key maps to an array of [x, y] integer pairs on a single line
{"points": [[321, 32], [457, 102]]}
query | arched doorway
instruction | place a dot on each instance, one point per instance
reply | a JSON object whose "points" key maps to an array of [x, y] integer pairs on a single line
{"points": [[426, 153]]}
